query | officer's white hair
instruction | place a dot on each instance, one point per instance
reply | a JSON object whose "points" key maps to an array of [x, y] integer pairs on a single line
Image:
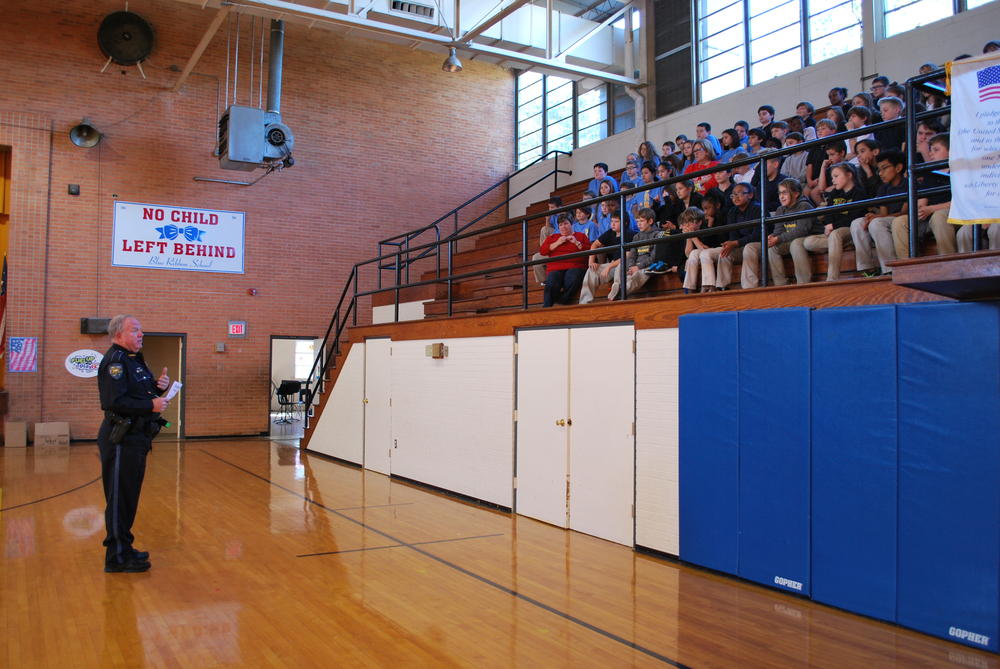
{"points": [[117, 324]]}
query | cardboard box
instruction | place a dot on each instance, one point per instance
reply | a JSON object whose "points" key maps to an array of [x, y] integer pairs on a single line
{"points": [[15, 434], [52, 434]]}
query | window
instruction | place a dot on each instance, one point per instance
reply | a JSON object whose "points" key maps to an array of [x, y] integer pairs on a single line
{"points": [[903, 15], [745, 42], [552, 113], [304, 357], [834, 28], [972, 4]]}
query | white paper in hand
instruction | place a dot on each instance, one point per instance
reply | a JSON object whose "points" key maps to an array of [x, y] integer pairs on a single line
{"points": [[175, 388]]}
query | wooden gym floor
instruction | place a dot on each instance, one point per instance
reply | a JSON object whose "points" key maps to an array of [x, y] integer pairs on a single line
{"points": [[265, 556]]}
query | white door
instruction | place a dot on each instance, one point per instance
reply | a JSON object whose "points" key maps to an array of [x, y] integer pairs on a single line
{"points": [[542, 446], [378, 413], [602, 445]]}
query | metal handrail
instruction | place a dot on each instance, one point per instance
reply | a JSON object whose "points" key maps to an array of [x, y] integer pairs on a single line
{"points": [[339, 321]]}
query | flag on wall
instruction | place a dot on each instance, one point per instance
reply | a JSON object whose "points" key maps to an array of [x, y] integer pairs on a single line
{"points": [[974, 155], [23, 354]]}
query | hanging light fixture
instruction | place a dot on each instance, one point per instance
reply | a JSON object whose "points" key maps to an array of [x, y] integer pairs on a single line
{"points": [[452, 63]]}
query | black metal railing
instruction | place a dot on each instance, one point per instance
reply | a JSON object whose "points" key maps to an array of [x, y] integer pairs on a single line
{"points": [[404, 241], [406, 253]]}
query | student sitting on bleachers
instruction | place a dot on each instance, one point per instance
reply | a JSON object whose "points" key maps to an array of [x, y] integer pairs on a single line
{"points": [[795, 163], [584, 223], [704, 157], [647, 199], [600, 273], [836, 226], [730, 145], [779, 130], [804, 110], [686, 154], [743, 173], [742, 129], [724, 178], [647, 154], [755, 141], [863, 99], [768, 192], [878, 88], [704, 131], [666, 151], [765, 114], [838, 97], [779, 241], [670, 256], [603, 211], [932, 210], [867, 155], [891, 138], [682, 197], [925, 130], [856, 120], [600, 174], [564, 276], [744, 209], [631, 173], [639, 258], [632, 203], [696, 248], [873, 231], [836, 152], [839, 118]]}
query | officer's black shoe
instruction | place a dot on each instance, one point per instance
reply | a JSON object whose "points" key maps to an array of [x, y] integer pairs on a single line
{"points": [[142, 556], [132, 566]]}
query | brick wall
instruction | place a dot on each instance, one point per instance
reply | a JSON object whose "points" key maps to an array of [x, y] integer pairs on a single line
{"points": [[384, 142]]}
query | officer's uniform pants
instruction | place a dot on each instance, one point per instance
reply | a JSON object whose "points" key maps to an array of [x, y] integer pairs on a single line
{"points": [[123, 467]]}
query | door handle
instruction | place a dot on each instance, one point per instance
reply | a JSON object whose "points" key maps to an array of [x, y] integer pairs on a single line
{"points": [[365, 400], [560, 422], [569, 421]]}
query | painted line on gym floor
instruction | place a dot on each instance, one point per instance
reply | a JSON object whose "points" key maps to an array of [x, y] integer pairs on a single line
{"points": [[415, 543], [45, 499], [482, 579], [372, 506]]}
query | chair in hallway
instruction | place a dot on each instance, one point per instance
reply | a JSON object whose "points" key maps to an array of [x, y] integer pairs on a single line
{"points": [[288, 399]]}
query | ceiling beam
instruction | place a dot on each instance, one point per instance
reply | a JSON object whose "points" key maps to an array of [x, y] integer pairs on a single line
{"points": [[491, 21], [213, 28]]}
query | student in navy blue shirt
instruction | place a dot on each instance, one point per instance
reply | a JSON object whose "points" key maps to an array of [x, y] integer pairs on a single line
{"points": [[872, 232]]}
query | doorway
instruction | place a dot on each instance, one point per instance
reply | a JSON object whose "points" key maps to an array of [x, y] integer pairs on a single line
{"points": [[292, 359], [167, 350]]}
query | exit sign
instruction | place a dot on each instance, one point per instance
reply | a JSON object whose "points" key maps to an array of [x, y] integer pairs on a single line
{"points": [[237, 328]]}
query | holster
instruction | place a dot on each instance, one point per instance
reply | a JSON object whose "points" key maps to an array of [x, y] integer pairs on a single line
{"points": [[120, 427]]}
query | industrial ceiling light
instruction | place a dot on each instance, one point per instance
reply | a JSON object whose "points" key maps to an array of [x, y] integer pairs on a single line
{"points": [[452, 63], [85, 135]]}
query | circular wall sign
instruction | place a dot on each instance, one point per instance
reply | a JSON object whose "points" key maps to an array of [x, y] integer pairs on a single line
{"points": [[83, 363]]}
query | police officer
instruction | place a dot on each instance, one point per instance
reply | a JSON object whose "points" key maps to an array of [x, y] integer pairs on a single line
{"points": [[130, 398]]}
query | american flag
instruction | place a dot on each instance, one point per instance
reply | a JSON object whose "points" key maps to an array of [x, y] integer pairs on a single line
{"points": [[23, 354], [989, 83]]}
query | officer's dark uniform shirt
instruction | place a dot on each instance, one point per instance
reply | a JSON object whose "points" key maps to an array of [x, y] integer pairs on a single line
{"points": [[126, 385]]}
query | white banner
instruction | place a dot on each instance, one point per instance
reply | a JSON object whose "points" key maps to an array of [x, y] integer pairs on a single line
{"points": [[165, 237], [974, 157]]}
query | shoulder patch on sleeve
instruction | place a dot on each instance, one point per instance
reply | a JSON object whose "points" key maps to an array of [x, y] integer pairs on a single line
{"points": [[116, 370]]}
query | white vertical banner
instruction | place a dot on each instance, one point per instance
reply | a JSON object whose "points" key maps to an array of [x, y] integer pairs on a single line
{"points": [[166, 237], [974, 159]]}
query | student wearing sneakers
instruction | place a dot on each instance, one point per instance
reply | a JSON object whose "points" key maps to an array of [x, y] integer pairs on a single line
{"points": [[564, 276], [744, 210], [836, 226], [639, 258], [873, 231], [932, 210], [779, 242], [600, 273]]}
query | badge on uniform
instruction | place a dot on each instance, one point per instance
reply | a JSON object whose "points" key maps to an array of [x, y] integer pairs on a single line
{"points": [[116, 370]]}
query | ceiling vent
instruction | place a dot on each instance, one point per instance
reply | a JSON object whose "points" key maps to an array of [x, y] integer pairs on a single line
{"points": [[414, 9]]}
